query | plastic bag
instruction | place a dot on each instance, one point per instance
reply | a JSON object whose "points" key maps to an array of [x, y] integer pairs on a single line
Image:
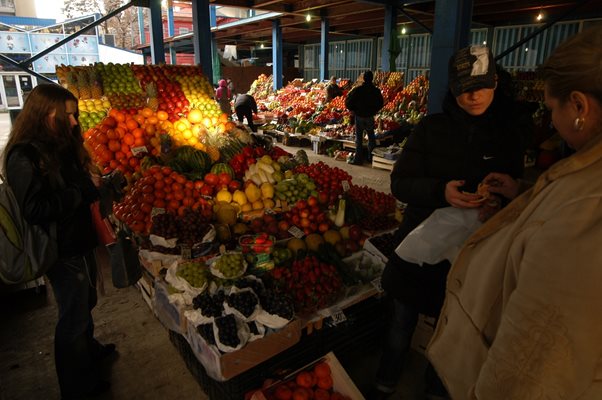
{"points": [[125, 265], [440, 236]]}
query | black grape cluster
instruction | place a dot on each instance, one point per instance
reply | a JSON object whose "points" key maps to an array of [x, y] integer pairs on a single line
{"points": [[165, 225], [192, 228], [206, 332], [244, 302], [210, 306], [384, 243], [255, 284], [278, 304], [227, 331], [253, 328], [189, 228]]}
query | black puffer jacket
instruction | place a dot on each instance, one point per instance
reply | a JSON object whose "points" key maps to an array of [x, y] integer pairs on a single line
{"points": [[448, 146], [44, 199], [364, 100]]}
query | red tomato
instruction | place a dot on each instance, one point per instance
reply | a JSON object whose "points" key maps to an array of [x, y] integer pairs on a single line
{"points": [[211, 179]]}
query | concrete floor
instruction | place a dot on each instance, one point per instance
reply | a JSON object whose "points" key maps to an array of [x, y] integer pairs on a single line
{"points": [[148, 366]]}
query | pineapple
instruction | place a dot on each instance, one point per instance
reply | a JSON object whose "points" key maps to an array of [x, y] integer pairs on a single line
{"points": [[213, 141], [72, 84], [151, 92], [85, 91], [94, 80]]}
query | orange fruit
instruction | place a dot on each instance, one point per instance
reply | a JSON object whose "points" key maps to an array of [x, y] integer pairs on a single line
{"points": [[322, 370], [162, 115], [304, 379], [146, 112]]}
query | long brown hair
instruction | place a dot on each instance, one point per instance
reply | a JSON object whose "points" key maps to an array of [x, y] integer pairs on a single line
{"points": [[32, 126], [576, 65]]}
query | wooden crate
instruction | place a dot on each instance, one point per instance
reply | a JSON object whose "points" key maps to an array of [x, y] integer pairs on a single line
{"points": [[382, 163]]}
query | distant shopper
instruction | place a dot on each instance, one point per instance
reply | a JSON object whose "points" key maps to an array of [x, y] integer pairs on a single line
{"points": [[245, 106], [333, 89], [48, 169], [364, 101], [223, 95]]}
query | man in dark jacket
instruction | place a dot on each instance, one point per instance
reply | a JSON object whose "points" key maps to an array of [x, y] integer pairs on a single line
{"points": [[245, 106], [364, 101], [447, 155]]}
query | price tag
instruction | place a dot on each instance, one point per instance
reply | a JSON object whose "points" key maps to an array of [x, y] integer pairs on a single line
{"points": [[157, 211], [345, 185], [296, 232], [337, 316], [186, 253], [139, 150], [377, 285]]}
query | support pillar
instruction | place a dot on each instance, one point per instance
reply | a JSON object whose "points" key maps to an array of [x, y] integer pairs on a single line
{"points": [[156, 33], [202, 37], [277, 53], [451, 32], [324, 48], [389, 34]]}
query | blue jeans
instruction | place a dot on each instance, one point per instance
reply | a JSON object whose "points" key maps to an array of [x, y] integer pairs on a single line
{"points": [[73, 282], [403, 319], [364, 124]]}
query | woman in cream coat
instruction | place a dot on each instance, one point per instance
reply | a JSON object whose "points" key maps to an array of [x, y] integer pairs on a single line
{"points": [[522, 317]]}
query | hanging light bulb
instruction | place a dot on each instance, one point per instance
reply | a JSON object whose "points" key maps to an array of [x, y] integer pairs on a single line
{"points": [[308, 17], [403, 30], [539, 15], [261, 46]]}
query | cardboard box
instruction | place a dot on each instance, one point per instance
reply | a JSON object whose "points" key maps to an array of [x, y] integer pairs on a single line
{"points": [[170, 315], [222, 367], [342, 383]]}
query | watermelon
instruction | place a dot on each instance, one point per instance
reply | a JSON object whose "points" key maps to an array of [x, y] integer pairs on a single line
{"points": [[218, 168]]}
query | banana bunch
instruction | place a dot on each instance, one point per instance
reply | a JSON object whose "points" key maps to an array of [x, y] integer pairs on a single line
{"points": [[264, 170]]}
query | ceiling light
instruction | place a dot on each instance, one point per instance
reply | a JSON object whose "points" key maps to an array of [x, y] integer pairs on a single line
{"points": [[526, 49], [539, 15], [403, 30], [484, 43], [308, 17], [261, 46]]}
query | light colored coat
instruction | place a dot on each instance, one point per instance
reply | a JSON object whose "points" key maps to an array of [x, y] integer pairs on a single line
{"points": [[522, 317]]}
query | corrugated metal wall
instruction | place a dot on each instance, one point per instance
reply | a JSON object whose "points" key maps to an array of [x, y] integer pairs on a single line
{"points": [[349, 58]]}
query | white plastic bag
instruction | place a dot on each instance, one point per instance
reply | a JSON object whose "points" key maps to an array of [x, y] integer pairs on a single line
{"points": [[440, 236]]}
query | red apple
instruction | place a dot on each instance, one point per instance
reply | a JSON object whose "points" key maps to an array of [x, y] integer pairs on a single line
{"points": [[355, 233]]}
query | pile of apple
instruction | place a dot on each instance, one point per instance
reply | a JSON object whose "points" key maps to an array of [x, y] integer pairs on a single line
{"points": [[328, 180]]}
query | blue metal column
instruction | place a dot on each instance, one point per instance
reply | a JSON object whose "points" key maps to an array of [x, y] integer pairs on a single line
{"points": [[277, 53], [324, 48], [141, 28], [216, 62], [202, 37], [389, 34], [451, 32], [156, 32], [171, 31]]}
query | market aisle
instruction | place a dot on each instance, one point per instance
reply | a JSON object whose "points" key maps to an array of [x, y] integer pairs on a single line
{"points": [[148, 365]]}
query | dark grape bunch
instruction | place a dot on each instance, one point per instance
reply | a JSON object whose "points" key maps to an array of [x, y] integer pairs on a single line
{"points": [[206, 332], [190, 228], [164, 225], [244, 302], [227, 331], [255, 284], [253, 328], [210, 306], [278, 304], [384, 243]]}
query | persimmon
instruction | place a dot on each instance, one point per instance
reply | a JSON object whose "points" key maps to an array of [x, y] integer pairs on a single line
{"points": [[321, 394], [283, 392], [304, 379], [162, 115], [147, 112], [325, 382], [301, 393], [131, 124], [322, 370]]}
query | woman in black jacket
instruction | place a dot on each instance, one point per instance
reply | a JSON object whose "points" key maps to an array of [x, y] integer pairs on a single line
{"points": [[447, 155], [48, 169]]}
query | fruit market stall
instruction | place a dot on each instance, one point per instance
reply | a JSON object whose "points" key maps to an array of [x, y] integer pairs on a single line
{"points": [[250, 252], [301, 117]]}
